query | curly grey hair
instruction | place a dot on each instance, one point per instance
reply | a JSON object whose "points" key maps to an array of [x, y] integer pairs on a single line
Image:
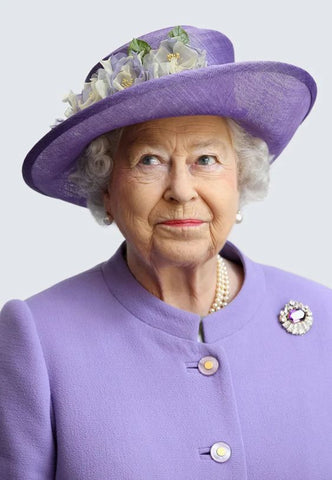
{"points": [[94, 166]]}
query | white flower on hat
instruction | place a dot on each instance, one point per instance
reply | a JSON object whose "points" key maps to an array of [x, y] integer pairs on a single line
{"points": [[128, 71], [93, 91], [121, 71], [173, 56]]}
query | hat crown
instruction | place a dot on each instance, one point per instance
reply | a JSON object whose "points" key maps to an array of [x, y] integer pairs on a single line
{"points": [[219, 49]]}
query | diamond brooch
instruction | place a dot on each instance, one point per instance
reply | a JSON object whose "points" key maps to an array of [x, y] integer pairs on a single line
{"points": [[296, 318]]}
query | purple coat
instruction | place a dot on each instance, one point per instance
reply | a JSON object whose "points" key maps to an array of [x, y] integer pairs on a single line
{"points": [[101, 380]]}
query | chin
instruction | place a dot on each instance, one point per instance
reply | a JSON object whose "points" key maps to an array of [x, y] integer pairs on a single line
{"points": [[183, 252]]}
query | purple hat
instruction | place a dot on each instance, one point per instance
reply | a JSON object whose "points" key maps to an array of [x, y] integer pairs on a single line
{"points": [[168, 73]]}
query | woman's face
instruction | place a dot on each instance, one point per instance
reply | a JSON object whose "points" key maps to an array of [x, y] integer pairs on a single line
{"points": [[173, 191]]}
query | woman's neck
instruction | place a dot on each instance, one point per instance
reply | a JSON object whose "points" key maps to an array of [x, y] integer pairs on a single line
{"points": [[191, 288]]}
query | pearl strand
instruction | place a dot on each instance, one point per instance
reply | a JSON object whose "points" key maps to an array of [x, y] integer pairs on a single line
{"points": [[222, 288]]}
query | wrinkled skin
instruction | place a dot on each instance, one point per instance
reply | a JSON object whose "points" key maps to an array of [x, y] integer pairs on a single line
{"points": [[164, 170]]}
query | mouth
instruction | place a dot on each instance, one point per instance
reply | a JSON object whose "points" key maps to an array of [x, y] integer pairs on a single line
{"points": [[187, 222]]}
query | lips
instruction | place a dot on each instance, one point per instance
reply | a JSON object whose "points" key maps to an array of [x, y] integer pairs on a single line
{"points": [[187, 222]]}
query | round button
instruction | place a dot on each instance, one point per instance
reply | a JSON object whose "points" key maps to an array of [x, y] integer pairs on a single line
{"points": [[220, 452], [208, 365]]}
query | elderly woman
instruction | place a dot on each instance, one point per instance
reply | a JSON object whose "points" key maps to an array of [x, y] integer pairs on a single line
{"points": [[179, 357]]}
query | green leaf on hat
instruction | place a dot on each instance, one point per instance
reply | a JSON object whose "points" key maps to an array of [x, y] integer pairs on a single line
{"points": [[179, 32], [138, 46]]}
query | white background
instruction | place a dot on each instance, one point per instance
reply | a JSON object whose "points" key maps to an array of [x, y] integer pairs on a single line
{"points": [[49, 47]]}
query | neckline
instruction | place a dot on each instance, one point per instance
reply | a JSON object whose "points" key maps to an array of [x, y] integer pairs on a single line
{"points": [[158, 314]]}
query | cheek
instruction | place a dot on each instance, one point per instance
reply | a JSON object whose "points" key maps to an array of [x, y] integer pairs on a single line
{"points": [[223, 196], [131, 199]]}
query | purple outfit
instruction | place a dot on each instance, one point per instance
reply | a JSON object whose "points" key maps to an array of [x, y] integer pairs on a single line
{"points": [[101, 380]]}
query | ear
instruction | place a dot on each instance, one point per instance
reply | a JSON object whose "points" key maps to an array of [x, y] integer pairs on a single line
{"points": [[107, 204]]}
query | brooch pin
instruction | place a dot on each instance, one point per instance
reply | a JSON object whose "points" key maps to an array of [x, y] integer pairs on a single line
{"points": [[296, 318]]}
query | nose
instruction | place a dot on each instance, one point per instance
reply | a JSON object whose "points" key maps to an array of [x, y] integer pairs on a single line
{"points": [[181, 184]]}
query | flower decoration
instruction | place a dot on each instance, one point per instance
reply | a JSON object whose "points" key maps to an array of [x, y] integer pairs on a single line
{"points": [[142, 63]]}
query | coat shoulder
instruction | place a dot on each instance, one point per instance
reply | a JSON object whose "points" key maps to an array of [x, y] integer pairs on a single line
{"points": [[69, 289], [66, 301], [286, 284]]}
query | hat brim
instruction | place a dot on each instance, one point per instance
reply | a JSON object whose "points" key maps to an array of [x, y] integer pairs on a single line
{"points": [[269, 99]]}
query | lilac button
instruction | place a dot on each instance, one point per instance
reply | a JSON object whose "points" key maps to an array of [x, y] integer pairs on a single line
{"points": [[208, 365], [220, 452]]}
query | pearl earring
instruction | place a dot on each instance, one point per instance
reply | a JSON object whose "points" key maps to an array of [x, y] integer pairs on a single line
{"points": [[107, 220], [238, 217]]}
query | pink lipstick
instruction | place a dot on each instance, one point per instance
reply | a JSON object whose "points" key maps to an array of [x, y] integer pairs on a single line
{"points": [[188, 222]]}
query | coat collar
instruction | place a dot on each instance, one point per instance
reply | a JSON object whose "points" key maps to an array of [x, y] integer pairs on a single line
{"points": [[158, 314]]}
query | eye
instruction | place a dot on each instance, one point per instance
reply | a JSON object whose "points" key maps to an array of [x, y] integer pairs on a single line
{"points": [[206, 160], [149, 160]]}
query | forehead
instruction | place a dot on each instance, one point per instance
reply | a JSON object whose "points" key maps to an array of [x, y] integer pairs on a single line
{"points": [[198, 127]]}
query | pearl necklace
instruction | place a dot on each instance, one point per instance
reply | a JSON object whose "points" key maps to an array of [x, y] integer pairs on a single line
{"points": [[222, 288]]}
